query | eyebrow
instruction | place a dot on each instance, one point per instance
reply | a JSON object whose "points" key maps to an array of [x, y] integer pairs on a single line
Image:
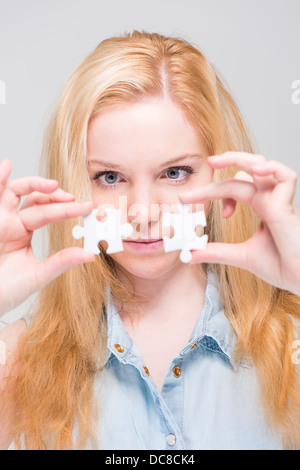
{"points": [[169, 162]]}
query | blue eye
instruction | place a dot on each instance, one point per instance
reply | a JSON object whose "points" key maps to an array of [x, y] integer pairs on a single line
{"points": [[175, 170], [110, 176]]}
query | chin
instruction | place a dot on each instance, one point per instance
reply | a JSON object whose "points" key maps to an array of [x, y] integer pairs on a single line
{"points": [[146, 267]]}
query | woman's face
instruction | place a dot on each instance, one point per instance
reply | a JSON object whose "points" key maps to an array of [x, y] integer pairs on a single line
{"points": [[137, 163]]}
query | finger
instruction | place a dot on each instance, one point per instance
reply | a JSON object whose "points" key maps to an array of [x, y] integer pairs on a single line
{"points": [[233, 254], [286, 178], [5, 170], [38, 198], [36, 217], [229, 206], [243, 176], [57, 264], [19, 187], [242, 191], [28, 184], [242, 160]]}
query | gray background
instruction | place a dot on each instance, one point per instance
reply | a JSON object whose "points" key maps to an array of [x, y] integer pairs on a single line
{"points": [[254, 44]]}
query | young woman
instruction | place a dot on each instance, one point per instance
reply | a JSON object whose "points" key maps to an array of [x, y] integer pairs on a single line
{"points": [[137, 350]]}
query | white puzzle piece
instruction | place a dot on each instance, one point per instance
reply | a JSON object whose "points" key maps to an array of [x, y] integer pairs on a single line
{"points": [[95, 231], [185, 237]]}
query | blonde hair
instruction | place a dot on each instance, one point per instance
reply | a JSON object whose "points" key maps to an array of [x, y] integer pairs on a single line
{"points": [[65, 345]]}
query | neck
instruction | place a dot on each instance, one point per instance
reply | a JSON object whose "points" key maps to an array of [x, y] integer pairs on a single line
{"points": [[170, 297]]}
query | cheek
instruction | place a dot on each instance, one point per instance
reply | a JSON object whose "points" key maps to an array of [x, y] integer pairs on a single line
{"points": [[99, 197], [96, 200], [95, 195]]}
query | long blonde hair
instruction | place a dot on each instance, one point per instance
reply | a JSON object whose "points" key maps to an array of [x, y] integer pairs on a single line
{"points": [[64, 347]]}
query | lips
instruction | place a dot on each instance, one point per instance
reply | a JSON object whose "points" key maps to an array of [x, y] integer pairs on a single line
{"points": [[146, 241], [145, 246]]}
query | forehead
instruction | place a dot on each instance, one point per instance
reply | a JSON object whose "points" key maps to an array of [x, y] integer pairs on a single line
{"points": [[148, 130]]}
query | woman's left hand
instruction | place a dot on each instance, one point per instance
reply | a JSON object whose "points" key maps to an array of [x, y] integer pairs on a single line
{"points": [[273, 252]]}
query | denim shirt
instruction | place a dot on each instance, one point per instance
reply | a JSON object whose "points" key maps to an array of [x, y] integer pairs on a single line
{"points": [[204, 403]]}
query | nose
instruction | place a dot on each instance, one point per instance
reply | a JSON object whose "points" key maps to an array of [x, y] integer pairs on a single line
{"points": [[144, 213]]}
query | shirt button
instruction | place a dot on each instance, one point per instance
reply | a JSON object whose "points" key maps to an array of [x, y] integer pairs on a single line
{"points": [[171, 439], [177, 371], [119, 348], [146, 370], [194, 345]]}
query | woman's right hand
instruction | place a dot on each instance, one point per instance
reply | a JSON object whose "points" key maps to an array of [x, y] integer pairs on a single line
{"points": [[21, 273]]}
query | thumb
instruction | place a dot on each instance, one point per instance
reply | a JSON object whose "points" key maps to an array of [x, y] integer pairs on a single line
{"points": [[232, 254], [57, 264]]}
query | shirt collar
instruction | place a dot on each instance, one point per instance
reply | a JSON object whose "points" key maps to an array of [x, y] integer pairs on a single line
{"points": [[212, 329]]}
